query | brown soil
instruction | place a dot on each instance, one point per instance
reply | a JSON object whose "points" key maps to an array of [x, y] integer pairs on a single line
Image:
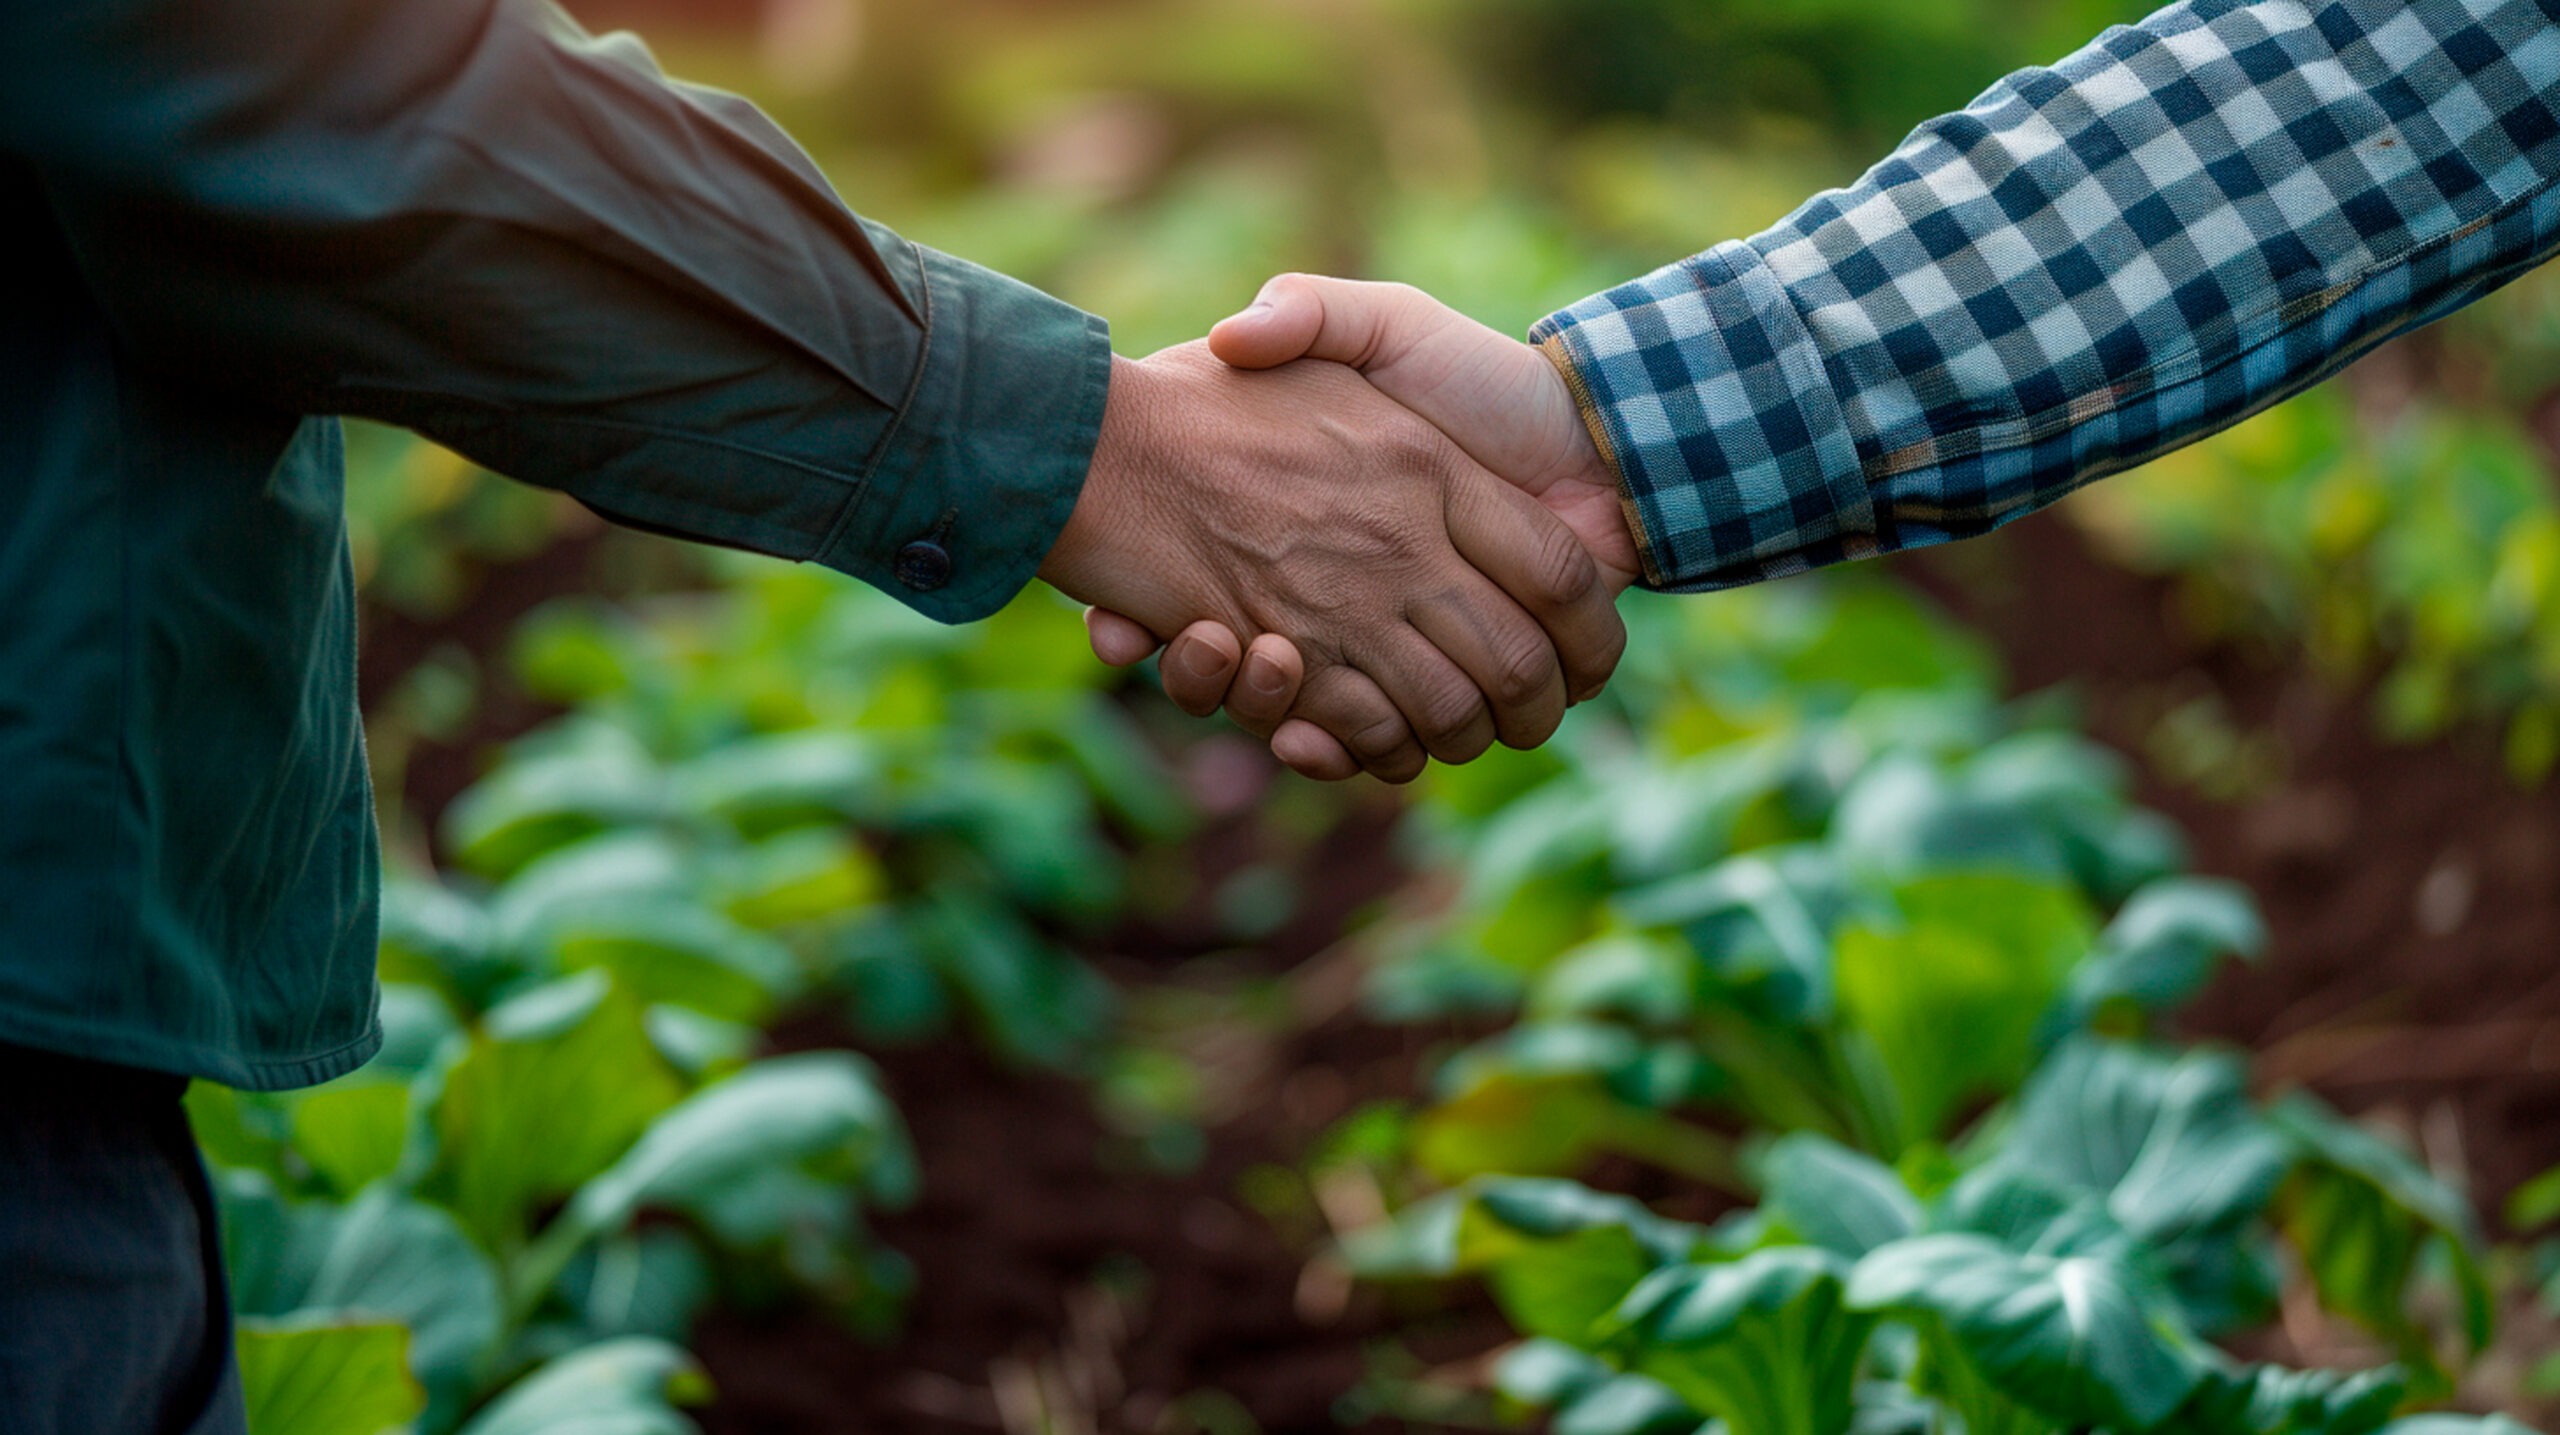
{"points": [[1066, 1284]]}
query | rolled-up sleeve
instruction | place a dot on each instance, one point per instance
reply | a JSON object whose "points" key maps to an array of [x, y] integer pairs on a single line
{"points": [[471, 218], [2092, 264]]}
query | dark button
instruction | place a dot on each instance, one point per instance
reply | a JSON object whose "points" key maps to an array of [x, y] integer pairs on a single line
{"points": [[923, 566]]}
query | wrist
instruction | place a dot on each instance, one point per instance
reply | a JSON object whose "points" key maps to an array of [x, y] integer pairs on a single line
{"points": [[1123, 450]]}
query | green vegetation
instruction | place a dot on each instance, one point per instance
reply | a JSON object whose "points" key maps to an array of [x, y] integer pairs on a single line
{"points": [[1880, 959], [1802, 922], [2411, 540]]}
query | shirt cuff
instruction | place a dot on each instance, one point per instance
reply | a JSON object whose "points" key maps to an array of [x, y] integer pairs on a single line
{"points": [[1703, 388], [988, 454]]}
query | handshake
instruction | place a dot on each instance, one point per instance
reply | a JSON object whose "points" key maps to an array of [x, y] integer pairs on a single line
{"points": [[1395, 543]]}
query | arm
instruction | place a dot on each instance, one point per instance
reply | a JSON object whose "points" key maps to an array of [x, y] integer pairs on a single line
{"points": [[2090, 265], [471, 218]]}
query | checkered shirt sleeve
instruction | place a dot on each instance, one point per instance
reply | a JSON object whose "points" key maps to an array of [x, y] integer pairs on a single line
{"points": [[2090, 265]]}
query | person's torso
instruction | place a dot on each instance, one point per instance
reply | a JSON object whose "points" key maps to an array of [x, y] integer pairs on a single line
{"points": [[187, 853]]}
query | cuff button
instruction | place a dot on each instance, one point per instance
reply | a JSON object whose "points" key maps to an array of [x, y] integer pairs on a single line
{"points": [[923, 566]]}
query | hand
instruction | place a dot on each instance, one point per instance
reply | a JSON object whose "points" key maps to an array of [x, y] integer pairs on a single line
{"points": [[1499, 399], [1437, 608]]}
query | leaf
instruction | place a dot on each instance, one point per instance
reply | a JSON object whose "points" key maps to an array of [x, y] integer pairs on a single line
{"points": [[1560, 1287], [650, 1282], [765, 1162], [2456, 1425], [2078, 1337], [1763, 921], [327, 1377], [630, 1386], [675, 949], [776, 781], [385, 1255], [2362, 1214], [352, 1132], [1950, 999], [2028, 1216], [1546, 1098], [1841, 1200], [822, 1112], [2163, 946], [1903, 817], [2271, 1400], [1765, 1343], [436, 937], [236, 1129], [575, 780], [416, 1024], [1489, 1220], [2169, 1144], [809, 875], [2036, 804], [1642, 978], [1029, 1000], [1587, 1396], [554, 1087]]}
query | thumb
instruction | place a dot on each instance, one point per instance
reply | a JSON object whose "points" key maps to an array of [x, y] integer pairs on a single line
{"points": [[1367, 325], [1284, 321]]}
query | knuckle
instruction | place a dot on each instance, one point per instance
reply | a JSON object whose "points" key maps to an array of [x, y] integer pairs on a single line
{"points": [[1414, 446], [1450, 709], [1563, 569], [1602, 660], [1378, 737], [1525, 666]]}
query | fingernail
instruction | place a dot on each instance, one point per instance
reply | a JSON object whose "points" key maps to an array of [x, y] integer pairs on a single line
{"points": [[1202, 661], [1264, 676], [1258, 306]]}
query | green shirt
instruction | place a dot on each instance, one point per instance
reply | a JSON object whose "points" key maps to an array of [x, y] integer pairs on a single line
{"points": [[470, 218]]}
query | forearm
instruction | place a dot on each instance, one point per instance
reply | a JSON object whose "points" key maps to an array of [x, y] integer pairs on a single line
{"points": [[2091, 265], [468, 217]]}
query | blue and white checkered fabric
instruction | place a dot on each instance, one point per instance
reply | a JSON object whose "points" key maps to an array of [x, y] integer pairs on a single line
{"points": [[2088, 266]]}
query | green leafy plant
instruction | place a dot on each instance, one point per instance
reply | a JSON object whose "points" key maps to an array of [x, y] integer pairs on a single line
{"points": [[465, 1214], [2062, 1273], [2422, 555]]}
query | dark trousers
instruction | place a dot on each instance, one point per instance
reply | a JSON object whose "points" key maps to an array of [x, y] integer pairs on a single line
{"points": [[113, 1313]]}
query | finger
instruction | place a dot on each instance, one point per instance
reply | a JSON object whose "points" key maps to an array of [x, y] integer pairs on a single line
{"points": [[1198, 665], [1310, 751], [1531, 555], [1502, 650], [1444, 707], [1118, 641], [1345, 702], [1283, 321], [1297, 316], [1262, 694]]}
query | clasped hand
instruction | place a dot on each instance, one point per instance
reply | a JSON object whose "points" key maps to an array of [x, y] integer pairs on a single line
{"points": [[1395, 542]]}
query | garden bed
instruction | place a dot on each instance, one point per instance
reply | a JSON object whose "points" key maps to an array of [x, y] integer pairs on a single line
{"points": [[2412, 892], [1065, 1282]]}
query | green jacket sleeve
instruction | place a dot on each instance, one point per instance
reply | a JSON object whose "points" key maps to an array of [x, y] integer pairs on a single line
{"points": [[471, 218]]}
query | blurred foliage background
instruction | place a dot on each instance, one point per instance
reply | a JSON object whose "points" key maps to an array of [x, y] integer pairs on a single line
{"points": [[655, 799]]}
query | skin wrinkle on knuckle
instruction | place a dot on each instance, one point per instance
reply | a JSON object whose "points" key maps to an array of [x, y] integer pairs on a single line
{"points": [[1565, 571], [1378, 738], [1527, 664], [1599, 665], [1452, 709]]}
